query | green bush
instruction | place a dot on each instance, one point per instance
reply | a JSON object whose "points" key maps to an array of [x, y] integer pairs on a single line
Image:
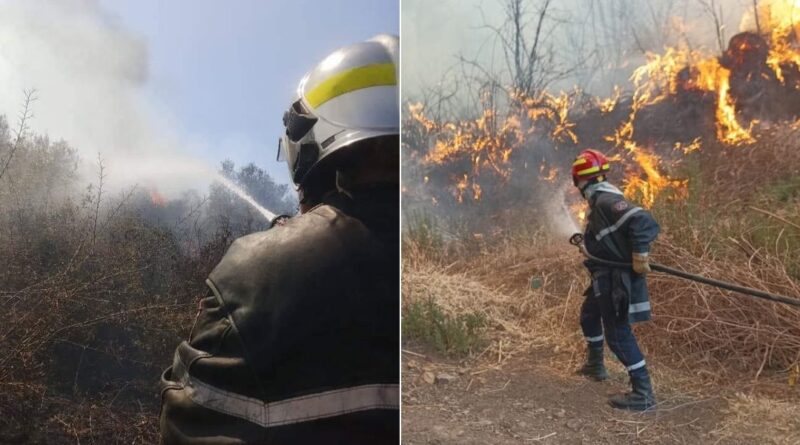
{"points": [[452, 335], [785, 191], [420, 228]]}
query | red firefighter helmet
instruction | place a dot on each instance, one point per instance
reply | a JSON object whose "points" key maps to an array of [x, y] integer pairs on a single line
{"points": [[590, 164]]}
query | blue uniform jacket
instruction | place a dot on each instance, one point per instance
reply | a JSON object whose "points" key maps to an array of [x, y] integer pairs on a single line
{"points": [[615, 228]]}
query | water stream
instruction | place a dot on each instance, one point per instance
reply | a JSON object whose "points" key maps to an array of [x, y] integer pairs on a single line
{"points": [[242, 194]]}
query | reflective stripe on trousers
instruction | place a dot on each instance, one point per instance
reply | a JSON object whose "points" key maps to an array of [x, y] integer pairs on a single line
{"points": [[599, 319], [297, 409]]}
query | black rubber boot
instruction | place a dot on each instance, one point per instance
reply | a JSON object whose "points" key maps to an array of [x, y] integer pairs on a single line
{"points": [[594, 367], [641, 398]]}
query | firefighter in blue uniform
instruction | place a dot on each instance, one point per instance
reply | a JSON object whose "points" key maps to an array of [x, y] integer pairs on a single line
{"points": [[617, 231]]}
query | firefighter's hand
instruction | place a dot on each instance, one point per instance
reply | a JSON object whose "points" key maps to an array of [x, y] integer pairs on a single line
{"points": [[641, 263]]}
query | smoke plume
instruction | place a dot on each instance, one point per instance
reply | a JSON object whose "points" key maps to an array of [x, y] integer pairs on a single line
{"points": [[89, 73]]}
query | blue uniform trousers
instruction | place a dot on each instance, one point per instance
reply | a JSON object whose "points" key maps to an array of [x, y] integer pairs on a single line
{"points": [[600, 321]]}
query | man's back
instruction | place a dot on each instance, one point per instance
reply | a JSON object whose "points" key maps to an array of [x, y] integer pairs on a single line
{"points": [[298, 337]]}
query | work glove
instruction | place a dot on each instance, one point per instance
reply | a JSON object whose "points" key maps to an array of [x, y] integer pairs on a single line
{"points": [[641, 263]]}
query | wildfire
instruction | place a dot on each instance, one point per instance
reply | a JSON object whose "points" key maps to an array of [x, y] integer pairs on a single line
{"points": [[551, 175], [686, 71], [653, 183], [579, 209], [488, 145], [728, 129], [418, 115], [728, 92], [553, 110], [782, 20], [688, 148], [157, 198], [608, 105], [483, 147]]}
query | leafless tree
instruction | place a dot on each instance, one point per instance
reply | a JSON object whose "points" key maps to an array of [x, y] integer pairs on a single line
{"points": [[526, 40], [755, 14], [716, 12], [22, 128]]}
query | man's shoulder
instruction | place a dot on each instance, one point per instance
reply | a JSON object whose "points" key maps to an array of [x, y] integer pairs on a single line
{"points": [[314, 239], [613, 203]]}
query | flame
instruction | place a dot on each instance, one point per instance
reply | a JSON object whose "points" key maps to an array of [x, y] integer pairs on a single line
{"points": [[157, 198], [551, 175], [688, 148], [728, 129], [649, 187], [654, 81], [608, 105], [578, 211], [479, 153], [486, 144], [416, 113], [476, 191], [678, 71], [781, 19], [553, 110]]}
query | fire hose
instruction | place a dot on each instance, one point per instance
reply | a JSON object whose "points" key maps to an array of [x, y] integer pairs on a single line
{"points": [[577, 240]]}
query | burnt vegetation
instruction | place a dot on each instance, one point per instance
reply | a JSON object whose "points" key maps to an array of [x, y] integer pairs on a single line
{"points": [[100, 286]]}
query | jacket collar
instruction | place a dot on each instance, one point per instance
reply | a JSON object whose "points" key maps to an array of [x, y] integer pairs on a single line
{"points": [[604, 186]]}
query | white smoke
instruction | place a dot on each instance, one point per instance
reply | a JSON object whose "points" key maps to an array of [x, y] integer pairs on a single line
{"points": [[607, 37], [563, 221], [89, 75]]}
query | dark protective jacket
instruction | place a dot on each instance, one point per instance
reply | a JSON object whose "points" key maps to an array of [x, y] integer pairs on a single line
{"points": [[298, 338], [615, 228]]}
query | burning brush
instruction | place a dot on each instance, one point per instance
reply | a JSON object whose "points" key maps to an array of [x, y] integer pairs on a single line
{"points": [[681, 100]]}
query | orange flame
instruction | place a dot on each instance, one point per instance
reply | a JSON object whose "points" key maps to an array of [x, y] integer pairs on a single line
{"points": [[728, 129], [157, 198], [649, 187], [608, 105], [485, 145]]}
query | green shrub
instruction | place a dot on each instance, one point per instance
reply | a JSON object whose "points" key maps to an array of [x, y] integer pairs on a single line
{"points": [[420, 229], [452, 335], [786, 190]]}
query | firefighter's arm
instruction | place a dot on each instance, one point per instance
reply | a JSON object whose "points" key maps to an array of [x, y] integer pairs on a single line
{"points": [[211, 358], [642, 231]]}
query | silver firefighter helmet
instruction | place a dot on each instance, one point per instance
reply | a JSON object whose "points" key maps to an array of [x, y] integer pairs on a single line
{"points": [[349, 97]]}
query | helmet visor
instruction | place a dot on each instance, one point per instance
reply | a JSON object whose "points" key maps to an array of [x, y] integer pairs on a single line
{"points": [[299, 157], [282, 156]]}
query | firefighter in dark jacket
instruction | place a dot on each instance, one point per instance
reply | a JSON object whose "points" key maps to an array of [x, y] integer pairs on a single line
{"points": [[619, 231], [297, 340]]}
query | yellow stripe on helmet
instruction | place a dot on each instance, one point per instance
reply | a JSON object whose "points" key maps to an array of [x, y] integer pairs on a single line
{"points": [[589, 170], [379, 74]]}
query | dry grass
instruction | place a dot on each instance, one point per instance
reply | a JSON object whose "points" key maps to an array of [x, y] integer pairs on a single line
{"points": [[753, 419], [98, 289], [722, 336]]}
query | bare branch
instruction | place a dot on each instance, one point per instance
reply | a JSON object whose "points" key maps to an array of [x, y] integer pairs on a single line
{"points": [[22, 127], [717, 14]]}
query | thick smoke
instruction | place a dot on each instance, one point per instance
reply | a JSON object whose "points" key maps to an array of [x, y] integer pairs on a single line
{"points": [[88, 73]]}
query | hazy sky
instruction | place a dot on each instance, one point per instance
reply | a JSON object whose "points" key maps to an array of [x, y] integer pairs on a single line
{"points": [[226, 70], [164, 91]]}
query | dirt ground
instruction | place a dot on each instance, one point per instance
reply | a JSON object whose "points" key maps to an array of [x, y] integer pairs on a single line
{"points": [[527, 401]]}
